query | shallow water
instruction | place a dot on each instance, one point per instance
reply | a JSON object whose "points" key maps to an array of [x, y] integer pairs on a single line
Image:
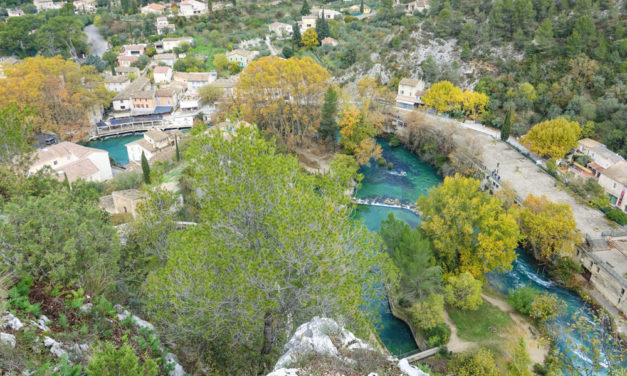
{"points": [[115, 147]]}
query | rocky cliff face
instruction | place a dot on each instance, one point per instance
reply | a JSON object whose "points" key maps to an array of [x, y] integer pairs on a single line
{"points": [[322, 347]]}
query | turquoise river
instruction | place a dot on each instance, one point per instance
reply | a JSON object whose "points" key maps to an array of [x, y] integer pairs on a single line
{"points": [[407, 180]]}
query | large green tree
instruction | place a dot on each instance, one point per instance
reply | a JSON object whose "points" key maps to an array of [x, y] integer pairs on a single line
{"points": [[469, 228], [412, 253], [328, 123], [273, 247]]}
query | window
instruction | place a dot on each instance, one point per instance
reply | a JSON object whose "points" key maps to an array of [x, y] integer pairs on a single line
{"points": [[614, 186], [55, 163]]}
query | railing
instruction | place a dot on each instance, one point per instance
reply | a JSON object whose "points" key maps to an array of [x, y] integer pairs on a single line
{"points": [[137, 126]]}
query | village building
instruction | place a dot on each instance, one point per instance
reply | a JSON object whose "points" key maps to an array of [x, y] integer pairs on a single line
{"points": [[126, 61], [602, 157], [413, 6], [133, 49], [74, 161], [143, 102], [164, 26], [153, 8], [328, 14], [604, 261], [162, 74], [356, 10], [131, 72], [120, 202], [117, 83], [614, 181], [168, 97], [195, 80], [329, 41], [17, 12], [306, 23], [410, 93], [123, 103], [153, 141], [281, 29], [227, 84], [190, 102], [43, 5], [189, 8], [84, 6], [168, 59], [169, 44], [241, 57]]}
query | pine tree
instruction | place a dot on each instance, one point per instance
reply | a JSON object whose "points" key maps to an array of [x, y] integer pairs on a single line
{"points": [[466, 51], [544, 36], [322, 28], [507, 124], [306, 9], [145, 169], [178, 153], [296, 38], [328, 124]]}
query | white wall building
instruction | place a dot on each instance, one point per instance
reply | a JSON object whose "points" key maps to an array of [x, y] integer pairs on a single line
{"points": [[153, 142], [241, 57], [74, 161], [117, 83], [162, 74], [614, 181], [189, 8], [410, 93]]}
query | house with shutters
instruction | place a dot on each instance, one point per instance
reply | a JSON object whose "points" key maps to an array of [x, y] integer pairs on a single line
{"points": [[409, 93], [241, 57]]}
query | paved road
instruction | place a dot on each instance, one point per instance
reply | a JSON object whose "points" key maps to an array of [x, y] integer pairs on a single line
{"points": [[273, 50], [527, 178], [97, 43]]}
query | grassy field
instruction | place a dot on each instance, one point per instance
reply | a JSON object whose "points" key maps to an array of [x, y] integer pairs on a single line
{"points": [[205, 47], [475, 325]]}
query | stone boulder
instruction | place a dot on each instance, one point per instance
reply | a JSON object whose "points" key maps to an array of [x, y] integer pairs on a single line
{"points": [[7, 339], [9, 321]]}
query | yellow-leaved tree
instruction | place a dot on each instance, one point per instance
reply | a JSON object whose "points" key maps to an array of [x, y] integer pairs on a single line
{"points": [[310, 38], [61, 92], [548, 228], [443, 96], [470, 230], [474, 103], [282, 96], [358, 135], [553, 138]]}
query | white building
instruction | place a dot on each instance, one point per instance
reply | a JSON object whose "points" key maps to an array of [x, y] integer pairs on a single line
{"points": [[281, 29], [602, 157], [153, 142], [190, 102], [74, 161], [14, 12], [117, 83], [416, 6], [168, 44], [162, 74], [153, 8], [306, 23], [241, 57], [614, 181], [43, 5], [164, 26], [195, 80], [410, 93], [167, 59], [328, 14], [133, 49], [189, 8], [123, 102]]}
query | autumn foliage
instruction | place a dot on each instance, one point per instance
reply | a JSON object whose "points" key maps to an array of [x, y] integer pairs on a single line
{"points": [[282, 96], [444, 97], [60, 91], [553, 138]]}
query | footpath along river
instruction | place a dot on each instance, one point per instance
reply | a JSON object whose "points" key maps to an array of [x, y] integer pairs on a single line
{"points": [[406, 181]]}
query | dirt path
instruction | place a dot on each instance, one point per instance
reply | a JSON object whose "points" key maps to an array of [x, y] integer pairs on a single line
{"points": [[537, 351], [456, 344]]}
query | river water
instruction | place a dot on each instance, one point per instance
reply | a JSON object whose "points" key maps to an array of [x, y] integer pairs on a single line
{"points": [[408, 179]]}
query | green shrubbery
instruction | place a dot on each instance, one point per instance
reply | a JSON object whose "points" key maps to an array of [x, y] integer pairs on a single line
{"points": [[109, 361], [535, 304], [617, 216]]}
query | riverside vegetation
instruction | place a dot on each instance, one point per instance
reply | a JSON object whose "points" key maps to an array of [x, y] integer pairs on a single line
{"points": [[274, 245]]}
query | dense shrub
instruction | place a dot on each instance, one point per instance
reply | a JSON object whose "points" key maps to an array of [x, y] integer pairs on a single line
{"points": [[109, 361], [438, 335], [522, 299], [617, 216]]}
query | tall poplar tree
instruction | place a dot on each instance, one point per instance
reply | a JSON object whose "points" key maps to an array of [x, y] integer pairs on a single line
{"points": [[145, 169], [506, 129]]}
